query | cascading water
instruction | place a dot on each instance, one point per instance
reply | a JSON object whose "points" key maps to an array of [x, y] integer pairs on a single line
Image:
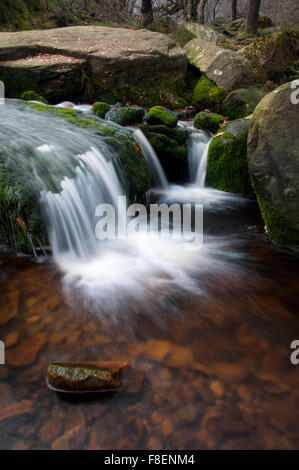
{"points": [[198, 157], [158, 174], [74, 171], [196, 191]]}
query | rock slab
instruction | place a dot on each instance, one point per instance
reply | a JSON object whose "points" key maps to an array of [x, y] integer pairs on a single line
{"points": [[273, 158], [227, 69], [85, 376]]}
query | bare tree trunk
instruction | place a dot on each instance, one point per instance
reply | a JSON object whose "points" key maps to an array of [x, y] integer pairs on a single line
{"points": [[192, 10], [146, 13], [253, 16], [201, 17], [234, 9]]}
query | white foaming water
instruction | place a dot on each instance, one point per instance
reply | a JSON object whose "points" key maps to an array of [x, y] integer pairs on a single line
{"points": [[196, 191], [158, 173], [74, 172]]}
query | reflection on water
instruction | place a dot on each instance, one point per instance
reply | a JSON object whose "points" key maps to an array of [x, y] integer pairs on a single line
{"points": [[210, 371]]}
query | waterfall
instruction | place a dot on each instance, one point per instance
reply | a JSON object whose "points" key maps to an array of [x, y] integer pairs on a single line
{"points": [[198, 149], [158, 174], [71, 168]]}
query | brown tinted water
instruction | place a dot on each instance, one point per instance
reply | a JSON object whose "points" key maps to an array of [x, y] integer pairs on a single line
{"points": [[211, 372]]}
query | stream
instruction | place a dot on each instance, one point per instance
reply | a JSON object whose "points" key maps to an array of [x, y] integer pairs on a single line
{"points": [[207, 330]]}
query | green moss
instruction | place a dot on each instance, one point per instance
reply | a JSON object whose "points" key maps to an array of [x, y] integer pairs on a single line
{"points": [[64, 112], [207, 94], [227, 159], [131, 166], [100, 109], [31, 95], [208, 121], [161, 90], [160, 115], [171, 149], [179, 135], [126, 116], [278, 227], [18, 202]]}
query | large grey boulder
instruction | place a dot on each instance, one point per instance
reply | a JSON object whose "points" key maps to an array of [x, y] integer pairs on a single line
{"points": [[226, 68], [273, 158], [202, 31], [112, 57]]}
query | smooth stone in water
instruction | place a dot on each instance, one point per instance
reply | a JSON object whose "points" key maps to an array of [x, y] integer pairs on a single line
{"points": [[82, 377]]}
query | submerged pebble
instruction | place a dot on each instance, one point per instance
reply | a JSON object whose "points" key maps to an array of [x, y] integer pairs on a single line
{"points": [[84, 377]]}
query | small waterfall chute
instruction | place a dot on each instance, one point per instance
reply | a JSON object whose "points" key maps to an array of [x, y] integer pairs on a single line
{"points": [[158, 174]]}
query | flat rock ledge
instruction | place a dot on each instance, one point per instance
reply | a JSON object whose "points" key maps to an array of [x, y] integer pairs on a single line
{"points": [[111, 57]]}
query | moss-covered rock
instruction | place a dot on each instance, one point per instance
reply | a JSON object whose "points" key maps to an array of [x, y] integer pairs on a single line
{"points": [[272, 56], [208, 121], [227, 159], [228, 69], [273, 158], [21, 224], [239, 25], [241, 103], [126, 116], [170, 146], [160, 115], [31, 95], [95, 63], [100, 109], [207, 94], [182, 35]]}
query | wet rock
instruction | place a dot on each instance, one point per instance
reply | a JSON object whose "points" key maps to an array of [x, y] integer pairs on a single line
{"points": [[11, 339], [74, 419], [207, 95], [16, 409], [180, 357], [100, 109], [121, 62], [159, 115], [26, 351], [167, 427], [208, 121], [228, 69], [9, 306], [71, 440], [126, 116], [154, 443], [6, 394], [202, 31], [241, 103], [50, 430], [274, 166], [86, 376], [134, 380], [229, 371], [217, 388]]}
